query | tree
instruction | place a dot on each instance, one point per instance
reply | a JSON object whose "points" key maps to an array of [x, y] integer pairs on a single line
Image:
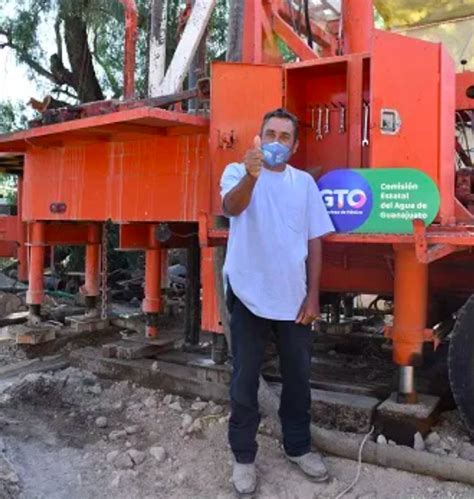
{"points": [[83, 61], [12, 116]]}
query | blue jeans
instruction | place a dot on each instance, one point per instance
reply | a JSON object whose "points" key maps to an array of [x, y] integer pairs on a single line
{"points": [[249, 334]]}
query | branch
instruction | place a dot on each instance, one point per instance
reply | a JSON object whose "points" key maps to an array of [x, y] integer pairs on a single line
{"points": [[64, 91], [59, 40], [24, 57], [117, 90], [27, 59], [61, 74], [84, 78], [6, 33]]}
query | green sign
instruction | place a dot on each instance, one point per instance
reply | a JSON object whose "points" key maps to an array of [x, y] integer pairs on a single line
{"points": [[379, 200]]}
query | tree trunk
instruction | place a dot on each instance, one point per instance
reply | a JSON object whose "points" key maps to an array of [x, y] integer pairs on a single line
{"points": [[236, 26], [84, 79], [157, 49], [197, 69]]}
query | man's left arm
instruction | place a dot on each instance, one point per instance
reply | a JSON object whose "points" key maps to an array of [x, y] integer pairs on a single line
{"points": [[310, 310], [319, 224]]}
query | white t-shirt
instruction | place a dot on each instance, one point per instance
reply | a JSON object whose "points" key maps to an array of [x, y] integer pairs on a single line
{"points": [[268, 241]]}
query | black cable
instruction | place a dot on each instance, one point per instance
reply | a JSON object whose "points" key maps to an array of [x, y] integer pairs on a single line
{"points": [[309, 33]]}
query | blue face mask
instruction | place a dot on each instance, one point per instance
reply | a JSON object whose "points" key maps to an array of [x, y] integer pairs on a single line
{"points": [[275, 153]]}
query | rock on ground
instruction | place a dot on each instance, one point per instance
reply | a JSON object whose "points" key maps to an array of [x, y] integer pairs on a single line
{"points": [[159, 453]]}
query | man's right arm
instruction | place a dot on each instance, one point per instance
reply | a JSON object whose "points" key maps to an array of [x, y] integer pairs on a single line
{"points": [[238, 198]]}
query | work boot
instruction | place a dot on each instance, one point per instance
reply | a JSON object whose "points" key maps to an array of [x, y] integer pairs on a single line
{"points": [[312, 465], [244, 478]]}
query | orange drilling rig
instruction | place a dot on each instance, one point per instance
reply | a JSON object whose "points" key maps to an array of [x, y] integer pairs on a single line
{"points": [[367, 99]]}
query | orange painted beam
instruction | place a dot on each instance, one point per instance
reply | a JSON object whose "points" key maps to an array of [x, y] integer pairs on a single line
{"points": [[131, 22], [294, 42], [63, 233], [135, 237], [252, 32], [358, 21], [146, 116], [323, 38]]}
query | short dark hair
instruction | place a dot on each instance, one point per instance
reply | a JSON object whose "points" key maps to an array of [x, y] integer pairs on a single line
{"points": [[283, 114]]}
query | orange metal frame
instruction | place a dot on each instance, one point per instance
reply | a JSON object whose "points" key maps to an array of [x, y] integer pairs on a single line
{"points": [[143, 166]]}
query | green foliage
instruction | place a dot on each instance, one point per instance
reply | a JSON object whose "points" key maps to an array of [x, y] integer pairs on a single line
{"points": [[217, 37], [287, 54], [24, 25], [12, 116], [8, 187], [378, 19]]}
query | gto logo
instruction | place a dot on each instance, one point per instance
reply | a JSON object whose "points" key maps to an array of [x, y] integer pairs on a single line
{"points": [[355, 198]]}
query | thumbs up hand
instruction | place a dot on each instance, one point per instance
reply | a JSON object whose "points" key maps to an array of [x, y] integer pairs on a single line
{"points": [[254, 158]]}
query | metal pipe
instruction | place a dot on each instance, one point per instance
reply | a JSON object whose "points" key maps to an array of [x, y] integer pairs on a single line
{"points": [[410, 307], [152, 301], [92, 280], [35, 293], [131, 22], [406, 387], [22, 252], [358, 23]]}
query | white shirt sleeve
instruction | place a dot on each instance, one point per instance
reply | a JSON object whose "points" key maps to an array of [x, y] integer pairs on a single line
{"points": [[233, 174], [319, 221]]}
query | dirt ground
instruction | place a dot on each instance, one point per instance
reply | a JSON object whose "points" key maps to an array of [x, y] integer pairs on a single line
{"points": [[70, 435]]}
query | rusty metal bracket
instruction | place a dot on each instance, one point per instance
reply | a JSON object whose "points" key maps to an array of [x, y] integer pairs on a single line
{"points": [[428, 254], [226, 140]]}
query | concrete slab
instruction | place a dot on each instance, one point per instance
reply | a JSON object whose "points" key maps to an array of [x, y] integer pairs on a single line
{"points": [[131, 349], [26, 334], [344, 411], [52, 363], [400, 422], [84, 324], [184, 378]]}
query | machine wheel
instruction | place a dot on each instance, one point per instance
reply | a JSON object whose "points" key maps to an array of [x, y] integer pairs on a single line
{"points": [[461, 363]]}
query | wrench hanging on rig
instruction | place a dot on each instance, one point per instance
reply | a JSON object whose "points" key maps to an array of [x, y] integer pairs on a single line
{"points": [[326, 120], [365, 138], [319, 135], [342, 118]]}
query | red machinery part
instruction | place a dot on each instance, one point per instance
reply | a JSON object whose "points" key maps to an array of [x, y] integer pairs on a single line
{"points": [[35, 293], [22, 252], [93, 249], [465, 90], [411, 304], [152, 301], [153, 165], [131, 20], [358, 23]]}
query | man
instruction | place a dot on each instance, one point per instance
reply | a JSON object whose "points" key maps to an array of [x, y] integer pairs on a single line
{"points": [[272, 272]]}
